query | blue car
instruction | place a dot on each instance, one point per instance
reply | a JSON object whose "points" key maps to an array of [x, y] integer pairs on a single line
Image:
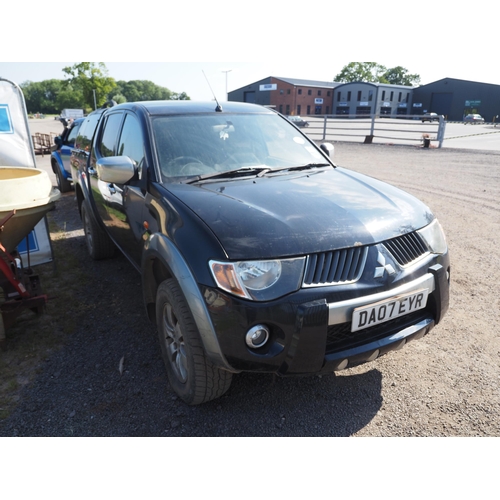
{"points": [[61, 155]]}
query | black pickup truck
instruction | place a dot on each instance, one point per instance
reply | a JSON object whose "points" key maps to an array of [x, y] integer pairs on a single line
{"points": [[257, 252]]}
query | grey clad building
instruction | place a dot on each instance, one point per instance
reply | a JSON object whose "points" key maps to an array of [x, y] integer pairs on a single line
{"points": [[361, 98], [457, 98]]}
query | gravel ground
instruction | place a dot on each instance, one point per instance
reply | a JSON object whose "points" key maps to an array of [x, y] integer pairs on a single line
{"points": [[446, 384]]}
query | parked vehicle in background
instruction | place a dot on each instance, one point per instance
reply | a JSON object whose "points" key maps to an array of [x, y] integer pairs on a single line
{"points": [[430, 117], [72, 113], [473, 118], [297, 120], [61, 154], [257, 253]]}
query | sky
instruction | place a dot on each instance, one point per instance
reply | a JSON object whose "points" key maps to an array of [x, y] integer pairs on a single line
{"points": [[172, 45]]}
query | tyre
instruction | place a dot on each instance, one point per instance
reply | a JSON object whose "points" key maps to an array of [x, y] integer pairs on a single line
{"points": [[2, 332], [62, 183], [98, 242], [193, 377]]}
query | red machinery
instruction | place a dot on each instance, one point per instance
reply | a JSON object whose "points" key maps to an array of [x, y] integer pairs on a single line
{"points": [[26, 195]]}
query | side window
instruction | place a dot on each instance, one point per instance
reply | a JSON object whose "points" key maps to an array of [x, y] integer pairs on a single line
{"points": [[108, 139], [131, 142]]}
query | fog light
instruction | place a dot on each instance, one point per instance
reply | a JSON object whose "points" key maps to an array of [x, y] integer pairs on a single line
{"points": [[257, 336]]}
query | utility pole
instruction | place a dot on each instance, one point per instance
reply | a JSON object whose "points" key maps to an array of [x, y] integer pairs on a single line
{"points": [[227, 71]]}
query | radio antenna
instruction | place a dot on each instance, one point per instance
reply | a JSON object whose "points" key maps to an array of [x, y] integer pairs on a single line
{"points": [[218, 109]]}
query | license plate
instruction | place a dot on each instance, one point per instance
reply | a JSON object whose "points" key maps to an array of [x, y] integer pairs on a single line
{"points": [[385, 310]]}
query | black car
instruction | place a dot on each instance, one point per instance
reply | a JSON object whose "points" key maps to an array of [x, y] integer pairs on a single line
{"points": [[257, 253], [299, 121]]}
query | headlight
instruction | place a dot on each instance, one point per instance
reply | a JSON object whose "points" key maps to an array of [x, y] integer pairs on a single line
{"points": [[434, 237], [259, 279]]}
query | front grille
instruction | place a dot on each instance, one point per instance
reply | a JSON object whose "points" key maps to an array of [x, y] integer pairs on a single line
{"points": [[336, 267], [407, 248]]}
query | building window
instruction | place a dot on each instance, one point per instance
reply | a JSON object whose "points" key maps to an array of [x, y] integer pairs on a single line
{"points": [[400, 95], [288, 91], [309, 92], [298, 109], [338, 96], [282, 91], [383, 95], [281, 108], [327, 110], [300, 91], [359, 95], [349, 96], [319, 92], [288, 109], [328, 93], [308, 110], [392, 95], [370, 95]]}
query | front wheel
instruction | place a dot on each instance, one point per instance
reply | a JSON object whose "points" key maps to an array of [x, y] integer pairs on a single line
{"points": [[193, 377], [98, 242]]}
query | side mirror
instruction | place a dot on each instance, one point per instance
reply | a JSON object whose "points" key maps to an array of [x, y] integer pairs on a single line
{"points": [[327, 148], [115, 169], [58, 141]]}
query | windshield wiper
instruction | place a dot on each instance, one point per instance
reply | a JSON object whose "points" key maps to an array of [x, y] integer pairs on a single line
{"points": [[229, 173], [302, 167], [310, 165]]}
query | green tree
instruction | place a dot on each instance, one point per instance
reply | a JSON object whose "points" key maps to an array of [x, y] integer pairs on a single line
{"points": [[376, 73], [44, 97], [361, 72], [92, 80], [400, 76], [180, 97], [143, 90]]}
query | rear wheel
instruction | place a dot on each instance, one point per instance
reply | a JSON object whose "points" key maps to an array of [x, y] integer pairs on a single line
{"points": [[193, 377], [98, 242], [62, 183]]}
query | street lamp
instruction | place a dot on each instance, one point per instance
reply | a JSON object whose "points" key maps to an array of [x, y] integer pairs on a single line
{"points": [[226, 71]]}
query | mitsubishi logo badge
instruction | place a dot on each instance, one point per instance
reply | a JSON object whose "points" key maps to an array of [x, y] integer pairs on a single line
{"points": [[379, 271]]}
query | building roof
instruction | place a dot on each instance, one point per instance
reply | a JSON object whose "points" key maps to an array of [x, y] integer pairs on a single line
{"points": [[448, 79], [306, 83]]}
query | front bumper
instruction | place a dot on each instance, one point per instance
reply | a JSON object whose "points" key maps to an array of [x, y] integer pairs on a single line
{"points": [[312, 334]]}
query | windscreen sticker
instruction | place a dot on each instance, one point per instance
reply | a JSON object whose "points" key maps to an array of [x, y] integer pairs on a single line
{"points": [[313, 151]]}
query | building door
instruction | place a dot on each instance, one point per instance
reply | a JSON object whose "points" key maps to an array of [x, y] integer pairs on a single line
{"points": [[250, 97], [441, 103]]}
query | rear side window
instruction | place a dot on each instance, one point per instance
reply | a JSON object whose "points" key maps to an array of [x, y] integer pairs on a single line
{"points": [[70, 140], [84, 138]]}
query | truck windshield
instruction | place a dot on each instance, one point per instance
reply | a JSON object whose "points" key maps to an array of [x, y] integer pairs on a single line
{"points": [[195, 145]]}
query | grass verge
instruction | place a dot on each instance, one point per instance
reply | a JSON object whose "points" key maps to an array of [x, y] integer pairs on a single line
{"points": [[32, 338]]}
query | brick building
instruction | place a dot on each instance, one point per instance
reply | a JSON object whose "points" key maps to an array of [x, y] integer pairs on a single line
{"points": [[288, 95]]}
